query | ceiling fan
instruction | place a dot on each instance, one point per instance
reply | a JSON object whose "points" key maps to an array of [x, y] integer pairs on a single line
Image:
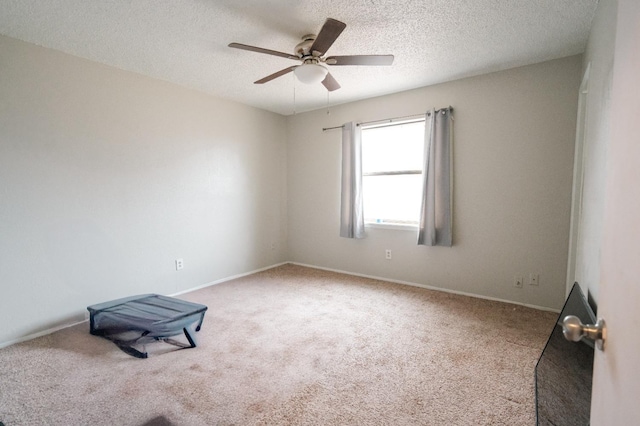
{"points": [[311, 51]]}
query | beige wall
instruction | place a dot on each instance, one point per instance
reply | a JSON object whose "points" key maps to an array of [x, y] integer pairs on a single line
{"points": [[513, 156], [106, 177], [599, 53]]}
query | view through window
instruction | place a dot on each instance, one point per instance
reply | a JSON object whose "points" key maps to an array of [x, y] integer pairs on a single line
{"points": [[392, 172]]}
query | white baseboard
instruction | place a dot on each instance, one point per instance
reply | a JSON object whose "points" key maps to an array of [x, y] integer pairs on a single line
{"points": [[38, 334], [222, 280], [63, 326], [428, 287]]}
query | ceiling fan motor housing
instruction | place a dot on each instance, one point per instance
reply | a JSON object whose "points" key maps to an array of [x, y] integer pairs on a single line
{"points": [[303, 48]]}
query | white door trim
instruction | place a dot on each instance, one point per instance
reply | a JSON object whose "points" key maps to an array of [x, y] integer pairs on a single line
{"points": [[578, 182]]}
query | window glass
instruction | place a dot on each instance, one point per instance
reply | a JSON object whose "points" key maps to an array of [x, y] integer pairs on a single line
{"points": [[392, 173], [393, 147]]}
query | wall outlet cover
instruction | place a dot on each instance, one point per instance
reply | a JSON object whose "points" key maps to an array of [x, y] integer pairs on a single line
{"points": [[518, 281]]}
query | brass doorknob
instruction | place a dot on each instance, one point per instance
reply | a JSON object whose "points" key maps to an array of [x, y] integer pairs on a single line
{"points": [[574, 330]]}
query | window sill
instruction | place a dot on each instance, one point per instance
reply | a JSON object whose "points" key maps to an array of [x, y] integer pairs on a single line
{"points": [[396, 227]]}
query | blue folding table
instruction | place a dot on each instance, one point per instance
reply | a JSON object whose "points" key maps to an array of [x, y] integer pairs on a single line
{"points": [[138, 320]]}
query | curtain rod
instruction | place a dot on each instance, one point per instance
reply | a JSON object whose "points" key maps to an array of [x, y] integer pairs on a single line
{"points": [[406, 117], [391, 120], [386, 120], [324, 129]]}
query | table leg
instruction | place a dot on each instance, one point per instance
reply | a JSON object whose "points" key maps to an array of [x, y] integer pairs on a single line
{"points": [[189, 337]]}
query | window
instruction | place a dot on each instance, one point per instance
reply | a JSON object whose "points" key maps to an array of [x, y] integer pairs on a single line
{"points": [[392, 172]]}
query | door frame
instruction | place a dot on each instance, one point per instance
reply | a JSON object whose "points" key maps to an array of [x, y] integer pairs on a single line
{"points": [[579, 155]]}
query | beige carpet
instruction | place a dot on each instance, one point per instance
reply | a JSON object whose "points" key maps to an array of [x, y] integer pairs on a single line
{"points": [[294, 345]]}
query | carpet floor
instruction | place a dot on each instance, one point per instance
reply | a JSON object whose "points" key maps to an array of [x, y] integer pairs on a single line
{"points": [[294, 346]]}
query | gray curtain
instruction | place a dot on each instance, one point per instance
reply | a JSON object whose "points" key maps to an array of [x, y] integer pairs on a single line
{"points": [[435, 212], [351, 213]]}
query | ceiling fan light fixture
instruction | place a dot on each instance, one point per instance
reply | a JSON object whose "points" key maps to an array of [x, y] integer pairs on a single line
{"points": [[310, 73]]}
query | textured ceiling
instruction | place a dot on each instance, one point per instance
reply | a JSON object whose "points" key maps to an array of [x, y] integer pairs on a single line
{"points": [[185, 41]]}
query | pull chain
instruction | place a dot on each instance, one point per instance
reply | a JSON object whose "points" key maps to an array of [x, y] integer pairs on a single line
{"points": [[294, 94], [328, 112]]}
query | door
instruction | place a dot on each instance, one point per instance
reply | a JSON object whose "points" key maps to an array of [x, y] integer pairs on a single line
{"points": [[616, 374]]}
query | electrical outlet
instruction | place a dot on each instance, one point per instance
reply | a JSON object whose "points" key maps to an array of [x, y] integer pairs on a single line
{"points": [[518, 280], [534, 279], [387, 254], [179, 264], [272, 246]]}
